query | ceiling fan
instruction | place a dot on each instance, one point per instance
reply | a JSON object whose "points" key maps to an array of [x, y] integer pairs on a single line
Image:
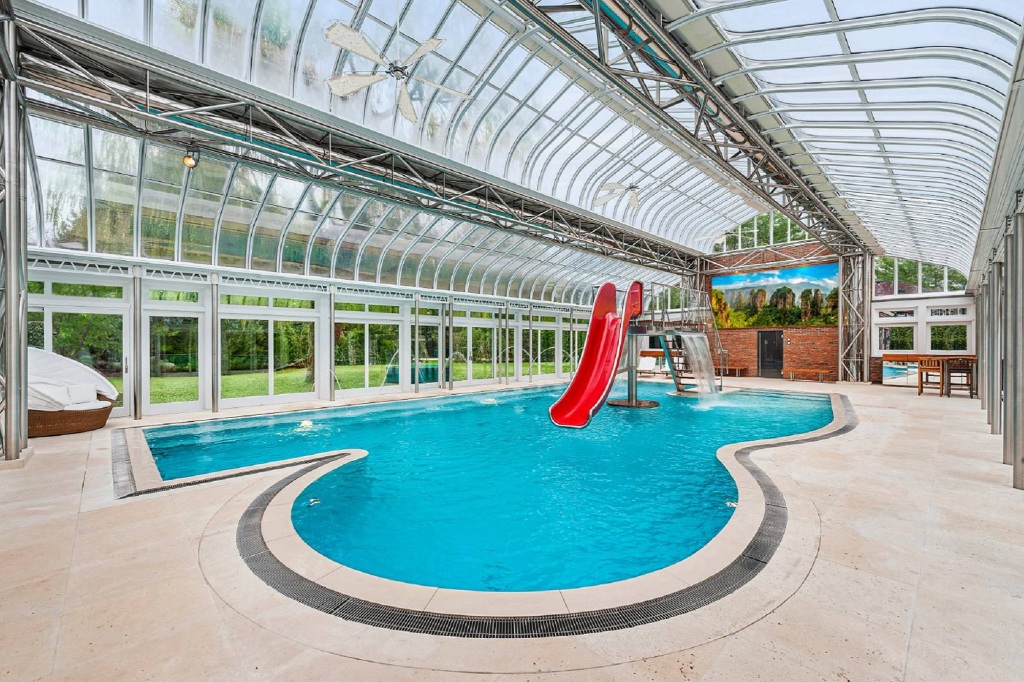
{"points": [[614, 190], [346, 84]]}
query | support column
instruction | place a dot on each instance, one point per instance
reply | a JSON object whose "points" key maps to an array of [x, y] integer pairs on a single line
{"points": [[215, 342], [137, 341], [15, 265], [530, 327], [995, 346], [980, 332], [416, 343], [451, 344], [1008, 341], [332, 301], [1015, 381]]}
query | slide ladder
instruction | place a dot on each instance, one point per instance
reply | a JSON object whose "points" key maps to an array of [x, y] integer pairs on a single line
{"points": [[595, 374]]}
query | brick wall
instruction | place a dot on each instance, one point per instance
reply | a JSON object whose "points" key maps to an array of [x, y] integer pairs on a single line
{"points": [[778, 256], [803, 348], [876, 370]]}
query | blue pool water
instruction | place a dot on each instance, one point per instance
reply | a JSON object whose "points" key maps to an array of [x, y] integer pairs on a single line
{"points": [[483, 493]]}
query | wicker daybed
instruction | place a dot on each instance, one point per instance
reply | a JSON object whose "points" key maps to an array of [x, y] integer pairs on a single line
{"points": [[62, 422], [65, 396]]}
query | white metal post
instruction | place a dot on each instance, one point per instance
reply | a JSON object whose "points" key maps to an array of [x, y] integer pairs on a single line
{"points": [[1015, 381]]}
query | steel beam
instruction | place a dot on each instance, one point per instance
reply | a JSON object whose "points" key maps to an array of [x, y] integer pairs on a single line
{"points": [[15, 298], [724, 137]]}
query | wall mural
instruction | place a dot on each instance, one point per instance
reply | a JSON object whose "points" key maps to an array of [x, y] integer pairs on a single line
{"points": [[802, 296]]}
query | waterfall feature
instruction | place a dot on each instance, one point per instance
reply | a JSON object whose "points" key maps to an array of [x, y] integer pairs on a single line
{"points": [[698, 355]]}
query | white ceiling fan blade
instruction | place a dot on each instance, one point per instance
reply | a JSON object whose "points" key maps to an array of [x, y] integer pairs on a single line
{"points": [[602, 200], [611, 185], [425, 48], [634, 200], [347, 38], [348, 83], [405, 104], [442, 88]]}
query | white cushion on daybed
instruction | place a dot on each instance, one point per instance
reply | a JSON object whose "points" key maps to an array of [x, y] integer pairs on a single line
{"points": [[56, 382], [92, 405], [57, 394], [82, 393]]}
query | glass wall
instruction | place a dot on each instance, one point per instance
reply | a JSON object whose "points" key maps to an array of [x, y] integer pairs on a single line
{"points": [[173, 359], [94, 339], [294, 357], [103, 192], [276, 348], [244, 366], [766, 229], [905, 277]]}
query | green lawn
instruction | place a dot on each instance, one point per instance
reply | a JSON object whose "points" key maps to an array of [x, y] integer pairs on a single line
{"points": [[179, 389]]}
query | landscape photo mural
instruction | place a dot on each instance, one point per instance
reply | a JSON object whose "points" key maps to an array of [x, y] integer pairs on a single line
{"points": [[802, 296]]}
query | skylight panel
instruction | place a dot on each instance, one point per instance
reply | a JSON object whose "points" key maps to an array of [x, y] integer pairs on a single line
{"points": [[810, 74], [912, 95], [926, 67], [792, 48], [931, 34], [850, 9], [774, 15], [456, 30], [126, 17]]}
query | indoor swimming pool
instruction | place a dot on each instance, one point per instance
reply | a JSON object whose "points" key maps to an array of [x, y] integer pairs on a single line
{"points": [[481, 492]]}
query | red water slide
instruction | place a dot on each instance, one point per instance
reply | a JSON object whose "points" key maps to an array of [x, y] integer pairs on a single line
{"points": [[599, 364]]}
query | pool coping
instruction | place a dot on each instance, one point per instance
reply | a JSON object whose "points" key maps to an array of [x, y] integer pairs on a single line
{"points": [[134, 471], [267, 543]]}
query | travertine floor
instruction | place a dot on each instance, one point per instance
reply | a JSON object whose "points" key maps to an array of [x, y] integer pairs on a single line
{"points": [[917, 574]]}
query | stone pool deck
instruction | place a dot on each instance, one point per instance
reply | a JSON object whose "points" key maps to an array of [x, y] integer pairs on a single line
{"points": [[907, 568]]}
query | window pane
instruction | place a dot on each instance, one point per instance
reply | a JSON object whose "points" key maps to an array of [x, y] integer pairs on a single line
{"points": [[884, 276], [244, 348], [177, 20], [932, 277], [229, 36], [36, 329], [65, 214], [90, 290], [949, 337], [349, 355], [114, 195], [483, 353], [95, 340], [174, 359], [957, 281], [294, 370], [896, 338], [428, 353], [176, 296], [159, 218], [383, 354], [907, 276]]}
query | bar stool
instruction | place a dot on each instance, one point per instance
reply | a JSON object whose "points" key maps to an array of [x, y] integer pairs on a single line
{"points": [[959, 375]]}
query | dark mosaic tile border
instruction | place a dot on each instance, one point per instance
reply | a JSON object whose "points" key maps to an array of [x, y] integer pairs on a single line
{"points": [[254, 551]]}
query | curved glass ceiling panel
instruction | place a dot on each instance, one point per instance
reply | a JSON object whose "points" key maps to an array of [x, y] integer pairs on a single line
{"points": [[233, 213], [898, 104], [531, 115]]}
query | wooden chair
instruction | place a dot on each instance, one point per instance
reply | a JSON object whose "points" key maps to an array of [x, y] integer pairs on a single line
{"points": [[960, 376], [929, 375]]}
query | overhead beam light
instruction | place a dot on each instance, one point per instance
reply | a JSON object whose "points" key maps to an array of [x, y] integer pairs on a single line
{"points": [[191, 158]]}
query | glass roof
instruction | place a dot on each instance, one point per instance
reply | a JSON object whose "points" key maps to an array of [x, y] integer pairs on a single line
{"points": [[531, 114], [142, 201], [898, 104]]}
